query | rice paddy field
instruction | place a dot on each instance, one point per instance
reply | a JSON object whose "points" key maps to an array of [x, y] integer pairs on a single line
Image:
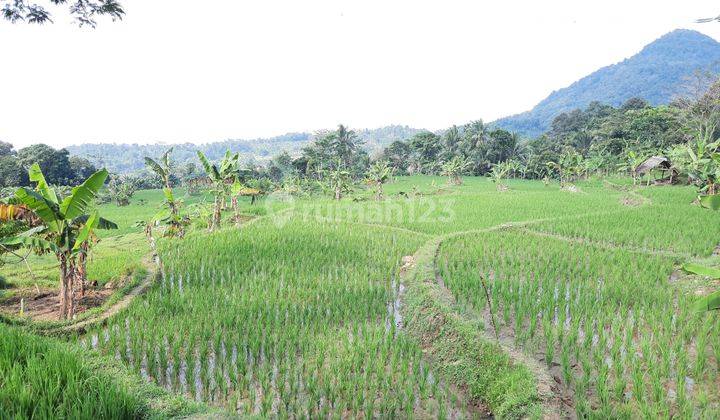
{"points": [[363, 309]]}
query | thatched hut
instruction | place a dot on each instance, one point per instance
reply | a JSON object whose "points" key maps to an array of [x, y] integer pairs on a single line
{"points": [[653, 162], [660, 163]]}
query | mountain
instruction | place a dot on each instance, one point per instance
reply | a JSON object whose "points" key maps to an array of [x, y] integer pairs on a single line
{"points": [[125, 158], [657, 74]]}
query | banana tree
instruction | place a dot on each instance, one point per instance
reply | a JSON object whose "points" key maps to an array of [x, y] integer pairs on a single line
{"points": [[222, 178], [67, 227], [378, 174], [500, 171], [455, 168], [172, 216], [337, 180]]}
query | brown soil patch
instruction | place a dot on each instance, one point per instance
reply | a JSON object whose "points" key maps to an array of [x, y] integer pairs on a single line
{"points": [[45, 304], [408, 262], [631, 201]]}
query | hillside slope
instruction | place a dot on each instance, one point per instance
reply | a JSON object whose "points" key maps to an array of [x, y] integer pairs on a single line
{"points": [[657, 73]]}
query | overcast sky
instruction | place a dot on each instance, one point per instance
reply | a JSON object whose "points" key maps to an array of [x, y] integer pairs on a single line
{"points": [[201, 71]]}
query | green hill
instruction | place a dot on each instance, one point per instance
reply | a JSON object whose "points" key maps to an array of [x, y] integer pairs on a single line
{"points": [[657, 74]]}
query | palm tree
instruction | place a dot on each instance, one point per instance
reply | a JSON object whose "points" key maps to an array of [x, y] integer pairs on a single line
{"points": [[164, 171], [66, 230], [222, 178], [454, 168], [345, 142], [378, 174]]}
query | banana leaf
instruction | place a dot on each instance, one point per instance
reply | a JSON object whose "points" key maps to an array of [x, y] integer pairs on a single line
{"points": [[77, 203], [710, 302], [710, 201], [701, 270]]}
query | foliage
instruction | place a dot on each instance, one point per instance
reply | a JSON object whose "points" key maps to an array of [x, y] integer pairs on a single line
{"points": [[700, 161], [84, 12], [121, 189], [502, 170], [710, 302], [67, 230], [378, 174], [222, 177], [60, 169], [454, 169], [170, 215]]}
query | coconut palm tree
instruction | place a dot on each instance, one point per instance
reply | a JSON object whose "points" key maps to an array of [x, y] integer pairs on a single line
{"points": [[379, 173], [67, 227], [222, 178]]}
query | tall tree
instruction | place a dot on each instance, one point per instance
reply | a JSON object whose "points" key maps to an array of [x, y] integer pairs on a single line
{"points": [[6, 149], [55, 164]]}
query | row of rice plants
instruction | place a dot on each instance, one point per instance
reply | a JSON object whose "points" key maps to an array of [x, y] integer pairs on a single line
{"points": [[463, 210], [668, 223], [299, 321], [44, 379], [607, 322]]}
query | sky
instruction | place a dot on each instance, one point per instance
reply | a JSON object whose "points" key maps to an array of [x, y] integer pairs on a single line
{"points": [[201, 71]]}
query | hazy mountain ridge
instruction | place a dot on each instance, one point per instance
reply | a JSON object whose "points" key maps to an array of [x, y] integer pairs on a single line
{"points": [[658, 73], [127, 157]]}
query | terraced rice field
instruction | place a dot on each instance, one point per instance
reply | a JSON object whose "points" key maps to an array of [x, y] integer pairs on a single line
{"points": [[305, 315]]}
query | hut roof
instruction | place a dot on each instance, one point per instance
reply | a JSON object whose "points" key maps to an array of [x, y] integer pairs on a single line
{"points": [[653, 162]]}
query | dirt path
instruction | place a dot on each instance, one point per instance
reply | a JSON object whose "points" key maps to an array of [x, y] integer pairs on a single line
{"points": [[82, 326], [555, 402]]}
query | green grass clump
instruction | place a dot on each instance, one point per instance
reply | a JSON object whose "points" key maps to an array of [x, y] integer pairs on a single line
{"points": [[40, 378]]}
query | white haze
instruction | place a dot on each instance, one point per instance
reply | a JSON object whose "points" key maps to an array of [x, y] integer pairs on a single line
{"points": [[201, 71]]}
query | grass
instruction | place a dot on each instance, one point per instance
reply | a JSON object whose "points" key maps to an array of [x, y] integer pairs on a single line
{"points": [[469, 359], [45, 378]]}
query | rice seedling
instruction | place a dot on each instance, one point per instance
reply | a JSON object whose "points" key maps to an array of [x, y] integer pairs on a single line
{"points": [[622, 338], [39, 378], [302, 320]]}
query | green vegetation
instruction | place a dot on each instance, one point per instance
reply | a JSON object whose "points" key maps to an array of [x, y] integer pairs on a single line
{"points": [[301, 319], [424, 297], [625, 348], [42, 379], [46, 378], [326, 281]]}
